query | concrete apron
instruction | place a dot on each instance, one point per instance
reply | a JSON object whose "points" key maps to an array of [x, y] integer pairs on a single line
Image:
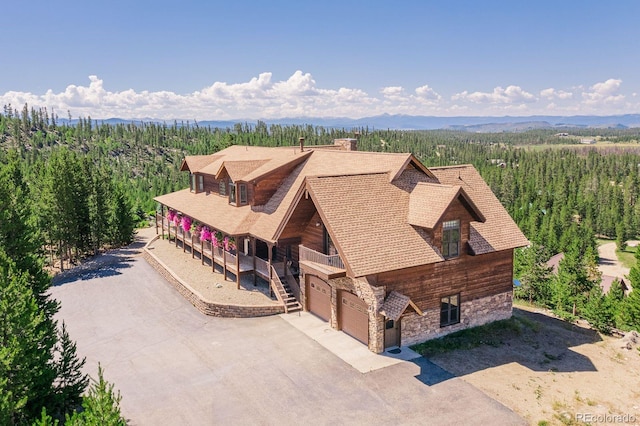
{"points": [[344, 346]]}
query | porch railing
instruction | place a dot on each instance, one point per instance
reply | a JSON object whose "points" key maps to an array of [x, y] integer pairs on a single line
{"points": [[323, 259], [291, 280], [277, 287], [262, 267]]}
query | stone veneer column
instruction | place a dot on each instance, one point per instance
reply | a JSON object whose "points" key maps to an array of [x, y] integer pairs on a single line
{"points": [[334, 309], [374, 298]]}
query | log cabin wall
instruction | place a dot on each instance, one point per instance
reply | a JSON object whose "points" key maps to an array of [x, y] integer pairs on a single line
{"points": [[472, 276]]}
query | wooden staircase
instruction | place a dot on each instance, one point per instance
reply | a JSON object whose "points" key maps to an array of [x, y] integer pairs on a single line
{"points": [[284, 293], [291, 304]]}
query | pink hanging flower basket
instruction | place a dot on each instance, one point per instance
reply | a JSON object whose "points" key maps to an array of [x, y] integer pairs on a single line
{"points": [[186, 223], [205, 234], [171, 215]]}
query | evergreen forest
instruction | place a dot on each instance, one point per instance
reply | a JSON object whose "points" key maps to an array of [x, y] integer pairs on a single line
{"points": [[69, 191]]}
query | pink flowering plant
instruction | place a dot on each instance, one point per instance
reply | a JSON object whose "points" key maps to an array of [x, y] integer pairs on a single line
{"points": [[171, 215], [186, 223], [205, 234]]}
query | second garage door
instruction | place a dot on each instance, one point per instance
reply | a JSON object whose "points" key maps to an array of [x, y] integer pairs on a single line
{"points": [[319, 298], [354, 317]]}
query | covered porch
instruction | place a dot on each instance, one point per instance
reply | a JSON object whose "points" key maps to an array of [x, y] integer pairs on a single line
{"points": [[235, 254]]}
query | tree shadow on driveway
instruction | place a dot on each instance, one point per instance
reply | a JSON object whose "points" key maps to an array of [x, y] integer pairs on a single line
{"points": [[103, 265]]}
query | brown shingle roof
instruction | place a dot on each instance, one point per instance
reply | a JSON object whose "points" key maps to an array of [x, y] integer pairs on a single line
{"points": [[366, 217], [194, 163], [322, 163], [429, 201], [499, 231], [212, 210], [394, 305], [239, 169], [364, 198]]}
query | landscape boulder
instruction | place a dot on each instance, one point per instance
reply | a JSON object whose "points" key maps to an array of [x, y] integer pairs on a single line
{"points": [[630, 340]]}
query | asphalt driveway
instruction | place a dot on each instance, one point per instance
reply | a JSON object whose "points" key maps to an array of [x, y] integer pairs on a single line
{"points": [[176, 366]]}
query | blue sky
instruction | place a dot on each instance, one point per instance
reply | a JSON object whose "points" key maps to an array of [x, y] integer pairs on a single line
{"points": [[254, 59]]}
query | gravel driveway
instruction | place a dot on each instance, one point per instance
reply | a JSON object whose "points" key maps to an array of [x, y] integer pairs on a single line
{"points": [[608, 263], [174, 365]]}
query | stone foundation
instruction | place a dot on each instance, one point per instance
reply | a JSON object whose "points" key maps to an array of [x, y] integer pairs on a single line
{"points": [[417, 329], [211, 308]]}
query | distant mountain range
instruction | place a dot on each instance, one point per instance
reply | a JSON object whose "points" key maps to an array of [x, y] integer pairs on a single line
{"points": [[416, 122]]}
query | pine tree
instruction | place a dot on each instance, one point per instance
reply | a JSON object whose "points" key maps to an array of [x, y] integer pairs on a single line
{"points": [[101, 405], [26, 371], [70, 381], [631, 306], [121, 221]]}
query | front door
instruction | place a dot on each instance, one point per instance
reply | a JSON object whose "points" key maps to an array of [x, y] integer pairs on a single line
{"points": [[391, 333]]}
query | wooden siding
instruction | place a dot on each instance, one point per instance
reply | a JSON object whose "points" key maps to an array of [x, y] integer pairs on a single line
{"points": [[300, 219], [268, 185], [471, 276], [313, 236], [456, 211]]}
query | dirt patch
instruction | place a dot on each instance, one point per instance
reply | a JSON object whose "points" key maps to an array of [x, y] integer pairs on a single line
{"points": [[554, 372]]}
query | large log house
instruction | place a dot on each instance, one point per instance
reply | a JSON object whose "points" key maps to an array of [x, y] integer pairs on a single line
{"points": [[383, 248]]}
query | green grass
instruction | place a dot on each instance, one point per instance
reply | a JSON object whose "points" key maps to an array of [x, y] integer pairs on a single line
{"points": [[626, 257], [492, 334]]}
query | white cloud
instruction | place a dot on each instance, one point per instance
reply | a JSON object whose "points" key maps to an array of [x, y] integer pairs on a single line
{"points": [[299, 95], [604, 93], [555, 94], [510, 95], [427, 93]]}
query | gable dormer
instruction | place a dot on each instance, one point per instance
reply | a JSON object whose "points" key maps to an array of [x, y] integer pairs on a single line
{"points": [[445, 212]]}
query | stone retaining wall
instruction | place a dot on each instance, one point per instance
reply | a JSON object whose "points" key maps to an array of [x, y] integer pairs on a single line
{"points": [[417, 329], [211, 308]]}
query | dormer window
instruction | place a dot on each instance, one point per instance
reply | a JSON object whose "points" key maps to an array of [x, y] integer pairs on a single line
{"points": [[200, 183], [222, 187], [242, 189], [451, 239], [192, 182], [237, 194], [232, 193]]}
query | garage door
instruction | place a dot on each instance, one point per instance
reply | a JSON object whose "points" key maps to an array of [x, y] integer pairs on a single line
{"points": [[319, 298], [354, 318]]}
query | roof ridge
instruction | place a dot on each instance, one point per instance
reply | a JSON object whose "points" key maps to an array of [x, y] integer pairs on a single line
{"points": [[347, 175], [454, 166]]}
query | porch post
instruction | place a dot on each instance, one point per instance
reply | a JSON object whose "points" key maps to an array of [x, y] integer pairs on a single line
{"points": [[155, 216], [202, 252], [269, 268], [192, 253], [224, 262], [162, 219], [237, 264], [168, 230], [184, 248], [253, 252]]}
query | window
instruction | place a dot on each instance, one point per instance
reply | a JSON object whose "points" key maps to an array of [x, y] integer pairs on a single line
{"points": [[200, 183], [192, 182], [242, 188], [222, 187], [232, 193], [451, 239], [449, 310]]}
